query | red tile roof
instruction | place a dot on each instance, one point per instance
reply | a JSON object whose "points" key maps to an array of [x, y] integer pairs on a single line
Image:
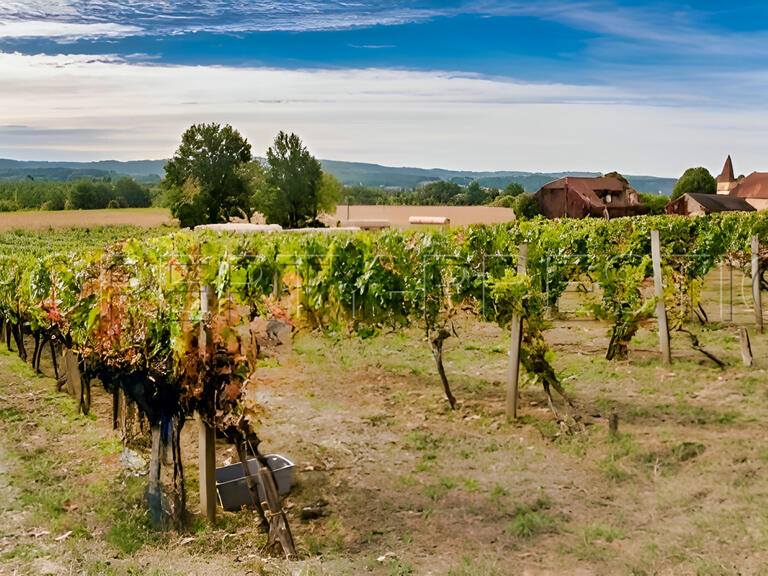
{"points": [[753, 186], [591, 189]]}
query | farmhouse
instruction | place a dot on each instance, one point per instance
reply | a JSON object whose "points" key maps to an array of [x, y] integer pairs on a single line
{"points": [[703, 204], [607, 197], [753, 189]]}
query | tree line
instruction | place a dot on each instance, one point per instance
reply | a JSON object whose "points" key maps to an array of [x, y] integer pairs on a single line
{"points": [[83, 194], [213, 177]]}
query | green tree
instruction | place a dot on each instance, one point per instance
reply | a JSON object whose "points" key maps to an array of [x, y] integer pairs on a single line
{"points": [[475, 194], [365, 195], [526, 206], [133, 193], [328, 193], [204, 179], [290, 194], [505, 201], [438, 193], [655, 202], [513, 189], [694, 181], [83, 195]]}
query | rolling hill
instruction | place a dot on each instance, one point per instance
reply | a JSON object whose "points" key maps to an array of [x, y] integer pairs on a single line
{"points": [[349, 173]]}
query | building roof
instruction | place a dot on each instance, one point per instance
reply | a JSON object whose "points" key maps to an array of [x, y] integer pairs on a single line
{"points": [[716, 202], [727, 174], [593, 190], [753, 186]]}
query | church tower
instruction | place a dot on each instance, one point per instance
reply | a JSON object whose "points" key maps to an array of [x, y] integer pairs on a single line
{"points": [[726, 182]]}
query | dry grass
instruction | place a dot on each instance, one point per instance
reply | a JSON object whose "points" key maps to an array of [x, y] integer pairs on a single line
{"points": [[398, 215], [144, 217]]}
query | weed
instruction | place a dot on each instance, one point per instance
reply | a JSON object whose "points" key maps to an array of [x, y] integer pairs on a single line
{"points": [[591, 540], [470, 566], [673, 455], [11, 415], [497, 493], [470, 484], [619, 447], [398, 567], [529, 521], [419, 440], [127, 536]]}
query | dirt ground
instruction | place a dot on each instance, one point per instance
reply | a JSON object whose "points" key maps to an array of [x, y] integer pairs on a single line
{"points": [[408, 486], [144, 217], [151, 217], [398, 216]]}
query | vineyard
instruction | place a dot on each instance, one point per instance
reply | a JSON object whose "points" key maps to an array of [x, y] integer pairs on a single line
{"points": [[168, 324]]}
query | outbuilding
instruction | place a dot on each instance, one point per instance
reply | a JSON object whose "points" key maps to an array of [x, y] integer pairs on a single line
{"points": [[703, 204], [577, 197]]}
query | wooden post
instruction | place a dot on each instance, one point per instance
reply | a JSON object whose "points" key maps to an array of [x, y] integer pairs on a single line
{"points": [[207, 463], [746, 348], [661, 310], [206, 436], [515, 340], [277, 285], [613, 424], [154, 489], [74, 378], [756, 284], [278, 523]]}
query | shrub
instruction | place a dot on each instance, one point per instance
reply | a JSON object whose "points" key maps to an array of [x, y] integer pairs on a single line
{"points": [[8, 206]]}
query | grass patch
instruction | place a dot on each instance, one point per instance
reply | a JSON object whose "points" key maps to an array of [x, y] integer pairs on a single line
{"points": [[532, 520], [591, 541], [614, 464], [672, 456], [470, 566]]}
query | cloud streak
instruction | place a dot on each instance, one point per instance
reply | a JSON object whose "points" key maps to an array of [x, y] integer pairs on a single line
{"points": [[225, 16], [67, 31], [393, 117]]}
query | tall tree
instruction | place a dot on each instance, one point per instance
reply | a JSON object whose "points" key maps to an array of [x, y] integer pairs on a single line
{"points": [[290, 195], [134, 194], [513, 189], [204, 177], [694, 181], [328, 193], [475, 194]]}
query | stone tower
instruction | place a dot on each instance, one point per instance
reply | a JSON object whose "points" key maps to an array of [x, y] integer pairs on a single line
{"points": [[726, 182]]}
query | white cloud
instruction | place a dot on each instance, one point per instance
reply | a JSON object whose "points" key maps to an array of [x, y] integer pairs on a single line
{"points": [[230, 16], [98, 108], [63, 30]]}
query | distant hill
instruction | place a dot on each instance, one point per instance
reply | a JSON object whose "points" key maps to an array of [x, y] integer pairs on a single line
{"points": [[143, 170], [349, 173], [357, 173]]}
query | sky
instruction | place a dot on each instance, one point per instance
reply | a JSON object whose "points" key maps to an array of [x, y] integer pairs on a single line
{"points": [[639, 87]]}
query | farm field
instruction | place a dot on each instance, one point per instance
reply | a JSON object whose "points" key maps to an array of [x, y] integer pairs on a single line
{"points": [[41, 220], [409, 487], [398, 215], [395, 481]]}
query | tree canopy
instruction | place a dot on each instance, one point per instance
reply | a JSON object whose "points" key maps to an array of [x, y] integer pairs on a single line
{"points": [[293, 193], [695, 181], [205, 179], [526, 206], [513, 189], [655, 202]]}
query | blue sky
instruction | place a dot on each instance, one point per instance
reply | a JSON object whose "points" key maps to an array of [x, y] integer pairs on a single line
{"points": [[643, 87]]}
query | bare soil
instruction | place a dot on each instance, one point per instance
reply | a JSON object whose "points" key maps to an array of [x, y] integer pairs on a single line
{"points": [[41, 220], [398, 216]]}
